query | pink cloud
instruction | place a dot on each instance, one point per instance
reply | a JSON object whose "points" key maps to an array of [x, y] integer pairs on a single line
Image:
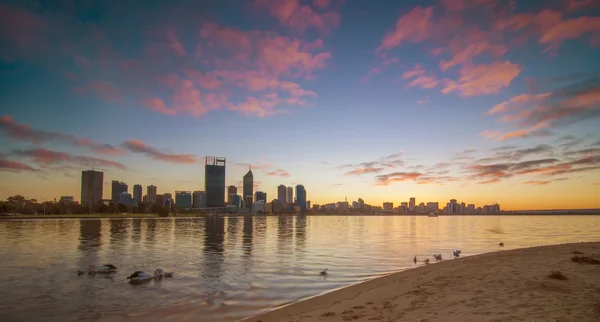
{"points": [[518, 102], [22, 28], [526, 132], [365, 170], [300, 17], [414, 26], [24, 132], [48, 157], [138, 146], [321, 3], [483, 79], [418, 70], [469, 44], [460, 5], [572, 29], [279, 173], [175, 44], [15, 166], [573, 5], [491, 181], [425, 82], [386, 179]]}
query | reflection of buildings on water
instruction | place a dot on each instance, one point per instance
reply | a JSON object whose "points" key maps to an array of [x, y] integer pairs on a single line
{"points": [[300, 229], [285, 232], [247, 239], [136, 230], [90, 240], [150, 231], [118, 230], [214, 235], [232, 229], [90, 234]]}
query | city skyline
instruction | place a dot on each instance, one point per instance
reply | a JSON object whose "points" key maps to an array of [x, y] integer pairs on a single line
{"points": [[374, 100]]}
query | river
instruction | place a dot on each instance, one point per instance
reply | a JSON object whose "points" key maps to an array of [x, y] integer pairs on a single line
{"points": [[228, 268]]}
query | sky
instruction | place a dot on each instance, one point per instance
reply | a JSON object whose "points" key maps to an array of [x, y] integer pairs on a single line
{"points": [[482, 101]]}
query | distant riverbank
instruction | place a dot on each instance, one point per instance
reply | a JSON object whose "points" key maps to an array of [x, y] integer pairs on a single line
{"points": [[200, 215]]}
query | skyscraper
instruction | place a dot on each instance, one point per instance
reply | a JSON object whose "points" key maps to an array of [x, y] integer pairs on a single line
{"points": [[281, 194], [117, 188], [412, 204], [289, 197], [260, 196], [199, 199], [301, 197], [231, 190], [137, 194], [183, 199], [248, 188], [151, 193], [214, 181], [91, 187]]}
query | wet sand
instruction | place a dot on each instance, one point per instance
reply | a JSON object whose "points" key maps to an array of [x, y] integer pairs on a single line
{"points": [[509, 285]]}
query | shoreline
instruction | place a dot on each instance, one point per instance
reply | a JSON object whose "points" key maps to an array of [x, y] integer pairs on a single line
{"points": [[183, 216], [510, 285]]}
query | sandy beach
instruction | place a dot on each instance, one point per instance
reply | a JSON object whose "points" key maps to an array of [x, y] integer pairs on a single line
{"points": [[509, 285]]}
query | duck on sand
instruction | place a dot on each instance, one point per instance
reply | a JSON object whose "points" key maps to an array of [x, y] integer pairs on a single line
{"points": [[509, 285]]}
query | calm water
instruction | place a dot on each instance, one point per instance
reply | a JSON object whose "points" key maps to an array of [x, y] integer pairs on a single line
{"points": [[233, 267]]}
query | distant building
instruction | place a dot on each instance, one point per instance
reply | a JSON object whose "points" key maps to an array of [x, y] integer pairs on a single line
{"points": [[453, 210], [231, 190], [342, 205], [301, 197], [260, 196], [160, 200], [258, 206], [137, 194], [214, 181], [183, 199], [125, 198], [421, 207], [308, 204], [412, 204], [470, 209], [433, 207], [92, 183], [151, 194], [281, 194], [289, 195], [199, 199], [276, 206], [361, 203], [66, 200], [248, 188], [117, 187], [388, 206], [355, 205], [235, 200]]}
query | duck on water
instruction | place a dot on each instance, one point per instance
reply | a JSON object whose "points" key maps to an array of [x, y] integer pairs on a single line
{"points": [[104, 269], [141, 276]]}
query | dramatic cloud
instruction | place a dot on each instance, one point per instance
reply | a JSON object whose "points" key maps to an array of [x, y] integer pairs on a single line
{"points": [[47, 158], [366, 170], [24, 132], [483, 79], [300, 17], [538, 114], [386, 179], [138, 146], [15, 166], [279, 173]]}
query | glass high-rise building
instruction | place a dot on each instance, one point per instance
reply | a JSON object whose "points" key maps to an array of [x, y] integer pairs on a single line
{"points": [[183, 199], [214, 181], [281, 194], [92, 183], [301, 197], [117, 188], [260, 196], [248, 189], [137, 194]]}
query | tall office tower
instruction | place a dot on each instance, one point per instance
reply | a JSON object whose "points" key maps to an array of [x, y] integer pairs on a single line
{"points": [[199, 199], [411, 204], [183, 199], [453, 207], [118, 188], [301, 197], [289, 196], [151, 194], [260, 196], [361, 203], [137, 194], [248, 188], [231, 190], [281, 194], [214, 181], [92, 183]]}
